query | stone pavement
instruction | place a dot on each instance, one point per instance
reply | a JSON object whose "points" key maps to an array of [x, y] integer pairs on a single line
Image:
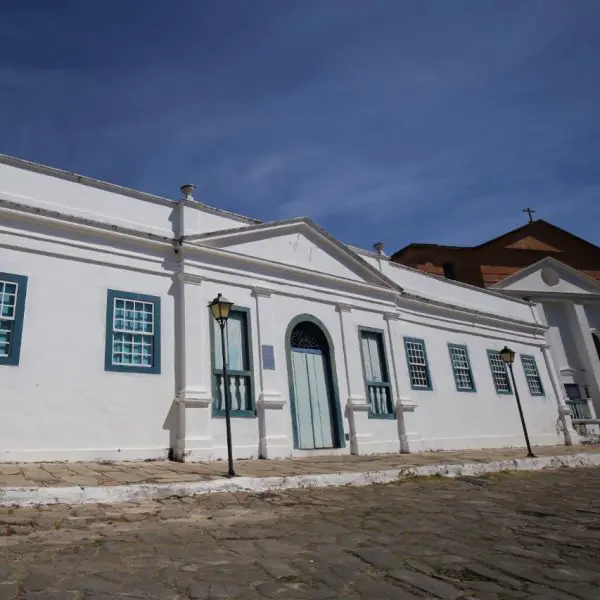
{"points": [[121, 473], [503, 536]]}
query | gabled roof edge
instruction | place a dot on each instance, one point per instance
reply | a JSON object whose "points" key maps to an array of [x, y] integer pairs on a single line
{"points": [[351, 254], [536, 265]]}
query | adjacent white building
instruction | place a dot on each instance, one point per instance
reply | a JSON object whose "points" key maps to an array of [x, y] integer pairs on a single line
{"points": [[568, 303], [108, 350]]}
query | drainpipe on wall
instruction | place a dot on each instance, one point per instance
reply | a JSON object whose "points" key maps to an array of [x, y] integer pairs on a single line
{"points": [[563, 411]]}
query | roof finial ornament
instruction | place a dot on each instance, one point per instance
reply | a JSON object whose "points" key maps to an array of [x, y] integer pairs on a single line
{"points": [[530, 212], [379, 247], [188, 190]]}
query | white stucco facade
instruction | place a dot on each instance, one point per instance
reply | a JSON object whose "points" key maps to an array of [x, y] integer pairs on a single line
{"points": [[75, 241], [568, 303]]}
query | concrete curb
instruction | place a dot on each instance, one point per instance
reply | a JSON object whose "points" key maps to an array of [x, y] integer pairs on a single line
{"points": [[24, 496]]}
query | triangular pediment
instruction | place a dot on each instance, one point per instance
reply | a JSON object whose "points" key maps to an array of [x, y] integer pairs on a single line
{"points": [[549, 276], [541, 236], [530, 242], [297, 243]]}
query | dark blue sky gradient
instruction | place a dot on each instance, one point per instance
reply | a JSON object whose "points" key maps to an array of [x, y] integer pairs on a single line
{"points": [[406, 121]]}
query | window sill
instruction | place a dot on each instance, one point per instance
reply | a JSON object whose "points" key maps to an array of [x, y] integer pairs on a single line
{"points": [[244, 414], [384, 416], [138, 370]]}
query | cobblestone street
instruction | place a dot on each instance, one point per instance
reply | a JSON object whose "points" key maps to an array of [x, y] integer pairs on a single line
{"points": [[512, 535]]}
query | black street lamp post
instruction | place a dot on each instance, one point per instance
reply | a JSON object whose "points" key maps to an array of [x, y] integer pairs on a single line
{"points": [[508, 356], [220, 309]]}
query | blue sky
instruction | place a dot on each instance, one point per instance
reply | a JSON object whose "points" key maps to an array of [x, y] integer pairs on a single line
{"points": [[405, 121]]}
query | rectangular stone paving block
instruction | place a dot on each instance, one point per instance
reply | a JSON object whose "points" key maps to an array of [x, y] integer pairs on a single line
{"points": [[431, 585]]}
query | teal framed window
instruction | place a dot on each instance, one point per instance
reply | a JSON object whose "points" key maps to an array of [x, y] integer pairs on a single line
{"points": [[461, 367], [238, 350], [499, 373], [132, 333], [534, 381], [376, 373], [13, 290], [418, 365]]}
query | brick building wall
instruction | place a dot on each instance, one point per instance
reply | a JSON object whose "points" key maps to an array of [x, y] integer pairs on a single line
{"points": [[496, 259]]}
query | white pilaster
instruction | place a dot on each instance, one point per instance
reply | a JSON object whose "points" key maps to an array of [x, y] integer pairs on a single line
{"points": [[357, 408], [271, 404], [587, 350], [571, 436], [410, 440], [194, 395]]}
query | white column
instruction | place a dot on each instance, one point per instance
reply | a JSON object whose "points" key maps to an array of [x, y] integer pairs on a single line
{"points": [[587, 349], [410, 439], [271, 404], [192, 357], [571, 436], [357, 408]]}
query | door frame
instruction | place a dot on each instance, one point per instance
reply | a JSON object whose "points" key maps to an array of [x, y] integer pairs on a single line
{"points": [[336, 413]]}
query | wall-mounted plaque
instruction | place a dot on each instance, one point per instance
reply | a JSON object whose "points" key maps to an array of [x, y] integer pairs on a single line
{"points": [[268, 358]]}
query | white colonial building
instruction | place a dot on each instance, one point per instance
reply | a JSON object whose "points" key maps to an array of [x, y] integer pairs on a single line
{"points": [[568, 303], [108, 349]]}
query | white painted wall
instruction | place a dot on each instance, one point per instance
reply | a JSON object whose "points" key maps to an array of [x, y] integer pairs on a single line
{"points": [[561, 338], [294, 249], [200, 220], [448, 419], [593, 315], [80, 200], [59, 403], [443, 418], [458, 294]]}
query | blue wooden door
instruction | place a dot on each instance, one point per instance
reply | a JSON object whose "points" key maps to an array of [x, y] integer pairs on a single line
{"points": [[314, 425]]}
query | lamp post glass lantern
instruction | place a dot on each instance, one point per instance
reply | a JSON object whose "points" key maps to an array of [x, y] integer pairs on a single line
{"points": [[508, 356], [220, 309]]}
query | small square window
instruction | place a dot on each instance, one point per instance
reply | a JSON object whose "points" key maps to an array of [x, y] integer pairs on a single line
{"points": [[461, 367], [13, 289], [499, 373], [132, 333], [532, 375], [418, 367]]}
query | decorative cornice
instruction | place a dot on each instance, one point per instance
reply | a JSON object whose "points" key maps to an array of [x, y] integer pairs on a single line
{"points": [[82, 221], [192, 278], [391, 316], [198, 398], [259, 292], [405, 406], [271, 400], [563, 409], [358, 403], [472, 315], [340, 307], [571, 371], [111, 187]]}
